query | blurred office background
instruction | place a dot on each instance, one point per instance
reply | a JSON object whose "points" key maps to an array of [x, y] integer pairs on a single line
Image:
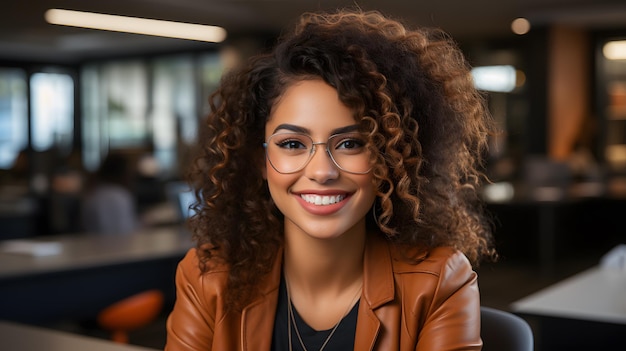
{"points": [[553, 71]]}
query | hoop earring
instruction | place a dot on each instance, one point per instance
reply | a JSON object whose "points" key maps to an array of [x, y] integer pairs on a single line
{"points": [[375, 217]]}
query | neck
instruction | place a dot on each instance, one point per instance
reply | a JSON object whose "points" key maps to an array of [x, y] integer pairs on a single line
{"points": [[314, 266]]}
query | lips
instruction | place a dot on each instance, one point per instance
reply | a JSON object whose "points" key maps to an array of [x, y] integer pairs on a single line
{"points": [[322, 200]]}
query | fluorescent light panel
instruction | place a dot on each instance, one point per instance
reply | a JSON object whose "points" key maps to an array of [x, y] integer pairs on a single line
{"points": [[136, 25], [615, 50]]}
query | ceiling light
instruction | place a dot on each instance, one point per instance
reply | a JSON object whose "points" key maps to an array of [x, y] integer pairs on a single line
{"points": [[615, 50], [520, 26], [136, 25]]}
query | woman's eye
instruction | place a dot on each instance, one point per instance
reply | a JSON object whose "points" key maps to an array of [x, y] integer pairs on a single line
{"points": [[291, 144], [350, 144]]}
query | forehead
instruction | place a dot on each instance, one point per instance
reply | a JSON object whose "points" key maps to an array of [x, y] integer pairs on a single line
{"points": [[310, 104]]}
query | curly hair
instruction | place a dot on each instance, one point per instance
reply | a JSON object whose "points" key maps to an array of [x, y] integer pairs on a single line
{"points": [[412, 93]]}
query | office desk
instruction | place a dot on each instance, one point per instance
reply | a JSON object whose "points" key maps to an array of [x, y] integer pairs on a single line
{"points": [[89, 273], [585, 311], [28, 338], [594, 295], [545, 232]]}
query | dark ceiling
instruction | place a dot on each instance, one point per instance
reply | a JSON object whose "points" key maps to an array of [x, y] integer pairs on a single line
{"points": [[24, 34]]}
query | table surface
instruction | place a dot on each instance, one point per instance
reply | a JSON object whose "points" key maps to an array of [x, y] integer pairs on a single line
{"points": [[27, 338], [81, 251], [597, 294]]}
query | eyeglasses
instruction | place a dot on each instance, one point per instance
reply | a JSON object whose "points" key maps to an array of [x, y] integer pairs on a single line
{"points": [[291, 152]]}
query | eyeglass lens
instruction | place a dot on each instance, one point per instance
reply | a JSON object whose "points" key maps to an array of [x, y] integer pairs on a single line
{"points": [[291, 152]]}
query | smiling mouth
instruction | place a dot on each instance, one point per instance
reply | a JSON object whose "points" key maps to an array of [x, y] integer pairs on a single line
{"points": [[322, 200]]}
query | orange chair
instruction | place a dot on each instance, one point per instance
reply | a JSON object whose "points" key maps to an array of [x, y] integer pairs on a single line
{"points": [[131, 313]]}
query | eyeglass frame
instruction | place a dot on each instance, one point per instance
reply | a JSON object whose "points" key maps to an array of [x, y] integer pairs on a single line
{"points": [[311, 151]]}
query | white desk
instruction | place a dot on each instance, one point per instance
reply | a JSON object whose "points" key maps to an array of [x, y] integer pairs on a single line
{"points": [[81, 251], [597, 295], [584, 312], [27, 338], [88, 273]]}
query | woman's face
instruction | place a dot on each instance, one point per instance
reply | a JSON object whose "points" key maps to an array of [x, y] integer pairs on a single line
{"points": [[319, 200]]}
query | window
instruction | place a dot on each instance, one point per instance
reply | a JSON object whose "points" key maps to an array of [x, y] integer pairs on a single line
{"points": [[174, 112], [52, 104], [145, 106], [13, 115], [115, 105]]}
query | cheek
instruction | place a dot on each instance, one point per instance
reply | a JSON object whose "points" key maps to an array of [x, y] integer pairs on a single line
{"points": [[276, 182], [279, 186], [372, 194], [369, 184], [368, 187]]}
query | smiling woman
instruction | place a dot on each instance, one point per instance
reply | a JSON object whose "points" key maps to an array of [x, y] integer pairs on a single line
{"points": [[338, 204], [304, 194]]}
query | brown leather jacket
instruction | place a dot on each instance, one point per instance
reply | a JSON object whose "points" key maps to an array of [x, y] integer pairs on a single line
{"points": [[430, 306]]}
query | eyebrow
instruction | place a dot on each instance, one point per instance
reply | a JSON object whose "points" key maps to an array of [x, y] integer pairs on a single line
{"points": [[299, 129]]}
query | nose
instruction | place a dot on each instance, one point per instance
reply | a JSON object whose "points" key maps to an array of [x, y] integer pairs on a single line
{"points": [[321, 167]]}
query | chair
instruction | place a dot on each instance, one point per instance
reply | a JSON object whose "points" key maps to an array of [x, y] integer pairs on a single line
{"points": [[130, 314], [504, 331]]}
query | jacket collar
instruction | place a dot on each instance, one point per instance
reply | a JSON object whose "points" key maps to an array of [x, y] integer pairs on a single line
{"points": [[378, 289], [378, 283], [257, 319]]}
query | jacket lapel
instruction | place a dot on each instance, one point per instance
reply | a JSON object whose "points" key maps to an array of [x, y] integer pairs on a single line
{"points": [[378, 289], [257, 319]]}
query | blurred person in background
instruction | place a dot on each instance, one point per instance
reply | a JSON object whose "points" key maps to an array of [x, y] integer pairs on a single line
{"points": [[109, 206]]}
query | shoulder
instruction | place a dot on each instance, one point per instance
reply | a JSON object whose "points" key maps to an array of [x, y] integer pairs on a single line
{"points": [[189, 272], [436, 262], [438, 267], [191, 264], [442, 272], [198, 307], [436, 294]]}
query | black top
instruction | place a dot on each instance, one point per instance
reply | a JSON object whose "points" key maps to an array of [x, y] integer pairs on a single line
{"points": [[342, 339]]}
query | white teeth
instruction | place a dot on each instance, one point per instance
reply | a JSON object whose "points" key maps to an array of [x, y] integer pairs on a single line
{"points": [[322, 200]]}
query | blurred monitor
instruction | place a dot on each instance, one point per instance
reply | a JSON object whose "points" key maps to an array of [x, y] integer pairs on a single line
{"points": [[182, 197]]}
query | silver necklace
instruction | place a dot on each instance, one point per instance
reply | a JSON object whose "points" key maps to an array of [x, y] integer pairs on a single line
{"points": [[292, 319]]}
